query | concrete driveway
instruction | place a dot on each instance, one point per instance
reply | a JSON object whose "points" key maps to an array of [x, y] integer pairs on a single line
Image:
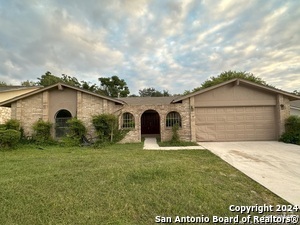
{"points": [[273, 164]]}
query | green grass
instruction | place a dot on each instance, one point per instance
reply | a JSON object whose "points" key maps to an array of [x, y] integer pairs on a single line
{"points": [[178, 143], [119, 184]]}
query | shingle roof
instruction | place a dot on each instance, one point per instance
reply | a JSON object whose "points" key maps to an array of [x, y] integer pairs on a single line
{"points": [[148, 100], [58, 85], [12, 88], [245, 82], [295, 104]]}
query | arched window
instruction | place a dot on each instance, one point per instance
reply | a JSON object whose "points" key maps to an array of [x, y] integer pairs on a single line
{"points": [[128, 120], [61, 126], [172, 119]]}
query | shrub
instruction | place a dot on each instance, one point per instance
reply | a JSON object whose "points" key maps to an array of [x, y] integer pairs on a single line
{"points": [[290, 137], [76, 128], [9, 138], [42, 131], [292, 124], [106, 126], [292, 130], [76, 131], [175, 135], [12, 124]]}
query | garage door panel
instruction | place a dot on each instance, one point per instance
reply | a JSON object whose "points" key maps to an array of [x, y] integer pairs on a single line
{"points": [[230, 118], [235, 123]]}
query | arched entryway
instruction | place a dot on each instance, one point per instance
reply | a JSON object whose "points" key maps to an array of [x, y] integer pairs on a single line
{"points": [[61, 126], [150, 123]]}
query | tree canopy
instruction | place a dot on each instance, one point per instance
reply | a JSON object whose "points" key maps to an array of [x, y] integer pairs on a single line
{"points": [[296, 92], [2, 84], [151, 92], [114, 86], [228, 75], [110, 86]]}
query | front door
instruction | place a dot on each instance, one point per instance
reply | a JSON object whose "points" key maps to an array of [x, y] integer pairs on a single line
{"points": [[150, 122]]}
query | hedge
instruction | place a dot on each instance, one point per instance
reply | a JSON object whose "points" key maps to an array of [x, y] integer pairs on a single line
{"points": [[9, 138], [292, 130]]}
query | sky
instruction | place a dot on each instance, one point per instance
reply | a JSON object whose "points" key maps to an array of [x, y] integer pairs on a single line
{"points": [[166, 44]]}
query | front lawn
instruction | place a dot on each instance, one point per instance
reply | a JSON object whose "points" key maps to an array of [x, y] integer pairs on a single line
{"points": [[120, 184]]}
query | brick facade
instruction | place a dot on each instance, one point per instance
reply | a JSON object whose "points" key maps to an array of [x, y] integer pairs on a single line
{"points": [[27, 111], [134, 135], [89, 105], [283, 112], [46, 103], [5, 114]]}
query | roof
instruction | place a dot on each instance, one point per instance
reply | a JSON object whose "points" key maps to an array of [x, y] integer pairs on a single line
{"points": [[149, 100], [239, 81], [57, 85], [295, 104], [14, 88]]}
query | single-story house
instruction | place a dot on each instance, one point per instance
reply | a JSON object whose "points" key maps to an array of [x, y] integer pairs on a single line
{"points": [[8, 92], [236, 110], [295, 108]]}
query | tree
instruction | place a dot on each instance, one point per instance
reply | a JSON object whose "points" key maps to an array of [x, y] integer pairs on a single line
{"points": [[70, 80], [228, 75], [3, 84], [88, 86], [114, 86], [151, 92], [296, 92], [48, 79], [28, 83]]}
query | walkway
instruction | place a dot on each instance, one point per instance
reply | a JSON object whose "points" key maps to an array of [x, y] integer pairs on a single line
{"points": [[151, 144]]}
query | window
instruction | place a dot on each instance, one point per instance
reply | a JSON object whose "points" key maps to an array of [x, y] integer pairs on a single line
{"points": [[128, 120], [172, 119], [61, 125]]}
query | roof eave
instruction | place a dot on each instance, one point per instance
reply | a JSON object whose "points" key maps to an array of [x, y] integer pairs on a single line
{"points": [[8, 102], [238, 80]]}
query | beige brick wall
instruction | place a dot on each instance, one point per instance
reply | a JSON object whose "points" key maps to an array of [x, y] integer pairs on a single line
{"points": [[166, 133], [33, 108], [5, 114], [28, 111], [283, 112], [89, 105]]}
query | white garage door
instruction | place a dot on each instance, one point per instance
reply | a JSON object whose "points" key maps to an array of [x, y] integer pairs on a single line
{"points": [[235, 123]]}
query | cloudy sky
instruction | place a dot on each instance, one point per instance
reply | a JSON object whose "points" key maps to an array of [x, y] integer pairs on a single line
{"points": [[165, 44]]}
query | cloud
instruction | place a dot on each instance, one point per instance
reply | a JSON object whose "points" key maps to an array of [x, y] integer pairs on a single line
{"points": [[173, 45]]}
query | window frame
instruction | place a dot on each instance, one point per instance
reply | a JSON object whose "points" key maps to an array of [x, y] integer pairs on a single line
{"points": [[128, 121], [173, 118]]}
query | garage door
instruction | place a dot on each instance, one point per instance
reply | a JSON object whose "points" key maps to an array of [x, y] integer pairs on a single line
{"points": [[235, 123]]}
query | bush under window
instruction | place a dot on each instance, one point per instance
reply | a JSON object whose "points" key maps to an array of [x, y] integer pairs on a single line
{"points": [[106, 126], [76, 133]]}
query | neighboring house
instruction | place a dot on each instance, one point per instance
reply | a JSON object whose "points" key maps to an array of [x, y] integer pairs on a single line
{"points": [[295, 108], [8, 92], [236, 110]]}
